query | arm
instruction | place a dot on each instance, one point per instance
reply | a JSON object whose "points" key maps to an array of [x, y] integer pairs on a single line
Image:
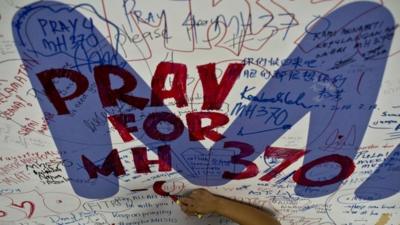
{"points": [[203, 202]]}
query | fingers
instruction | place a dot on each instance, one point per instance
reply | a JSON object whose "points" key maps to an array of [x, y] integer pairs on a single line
{"points": [[186, 210], [187, 201], [187, 206], [198, 192], [199, 201]]}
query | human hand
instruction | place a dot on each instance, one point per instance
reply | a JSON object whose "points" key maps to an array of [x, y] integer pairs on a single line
{"points": [[200, 201]]}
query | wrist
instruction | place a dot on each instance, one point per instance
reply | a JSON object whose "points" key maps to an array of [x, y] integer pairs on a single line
{"points": [[218, 204]]}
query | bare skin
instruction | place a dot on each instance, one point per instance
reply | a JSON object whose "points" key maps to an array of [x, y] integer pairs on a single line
{"points": [[201, 201]]}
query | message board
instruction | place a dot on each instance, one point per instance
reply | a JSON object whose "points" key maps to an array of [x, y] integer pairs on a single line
{"points": [[109, 109]]}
